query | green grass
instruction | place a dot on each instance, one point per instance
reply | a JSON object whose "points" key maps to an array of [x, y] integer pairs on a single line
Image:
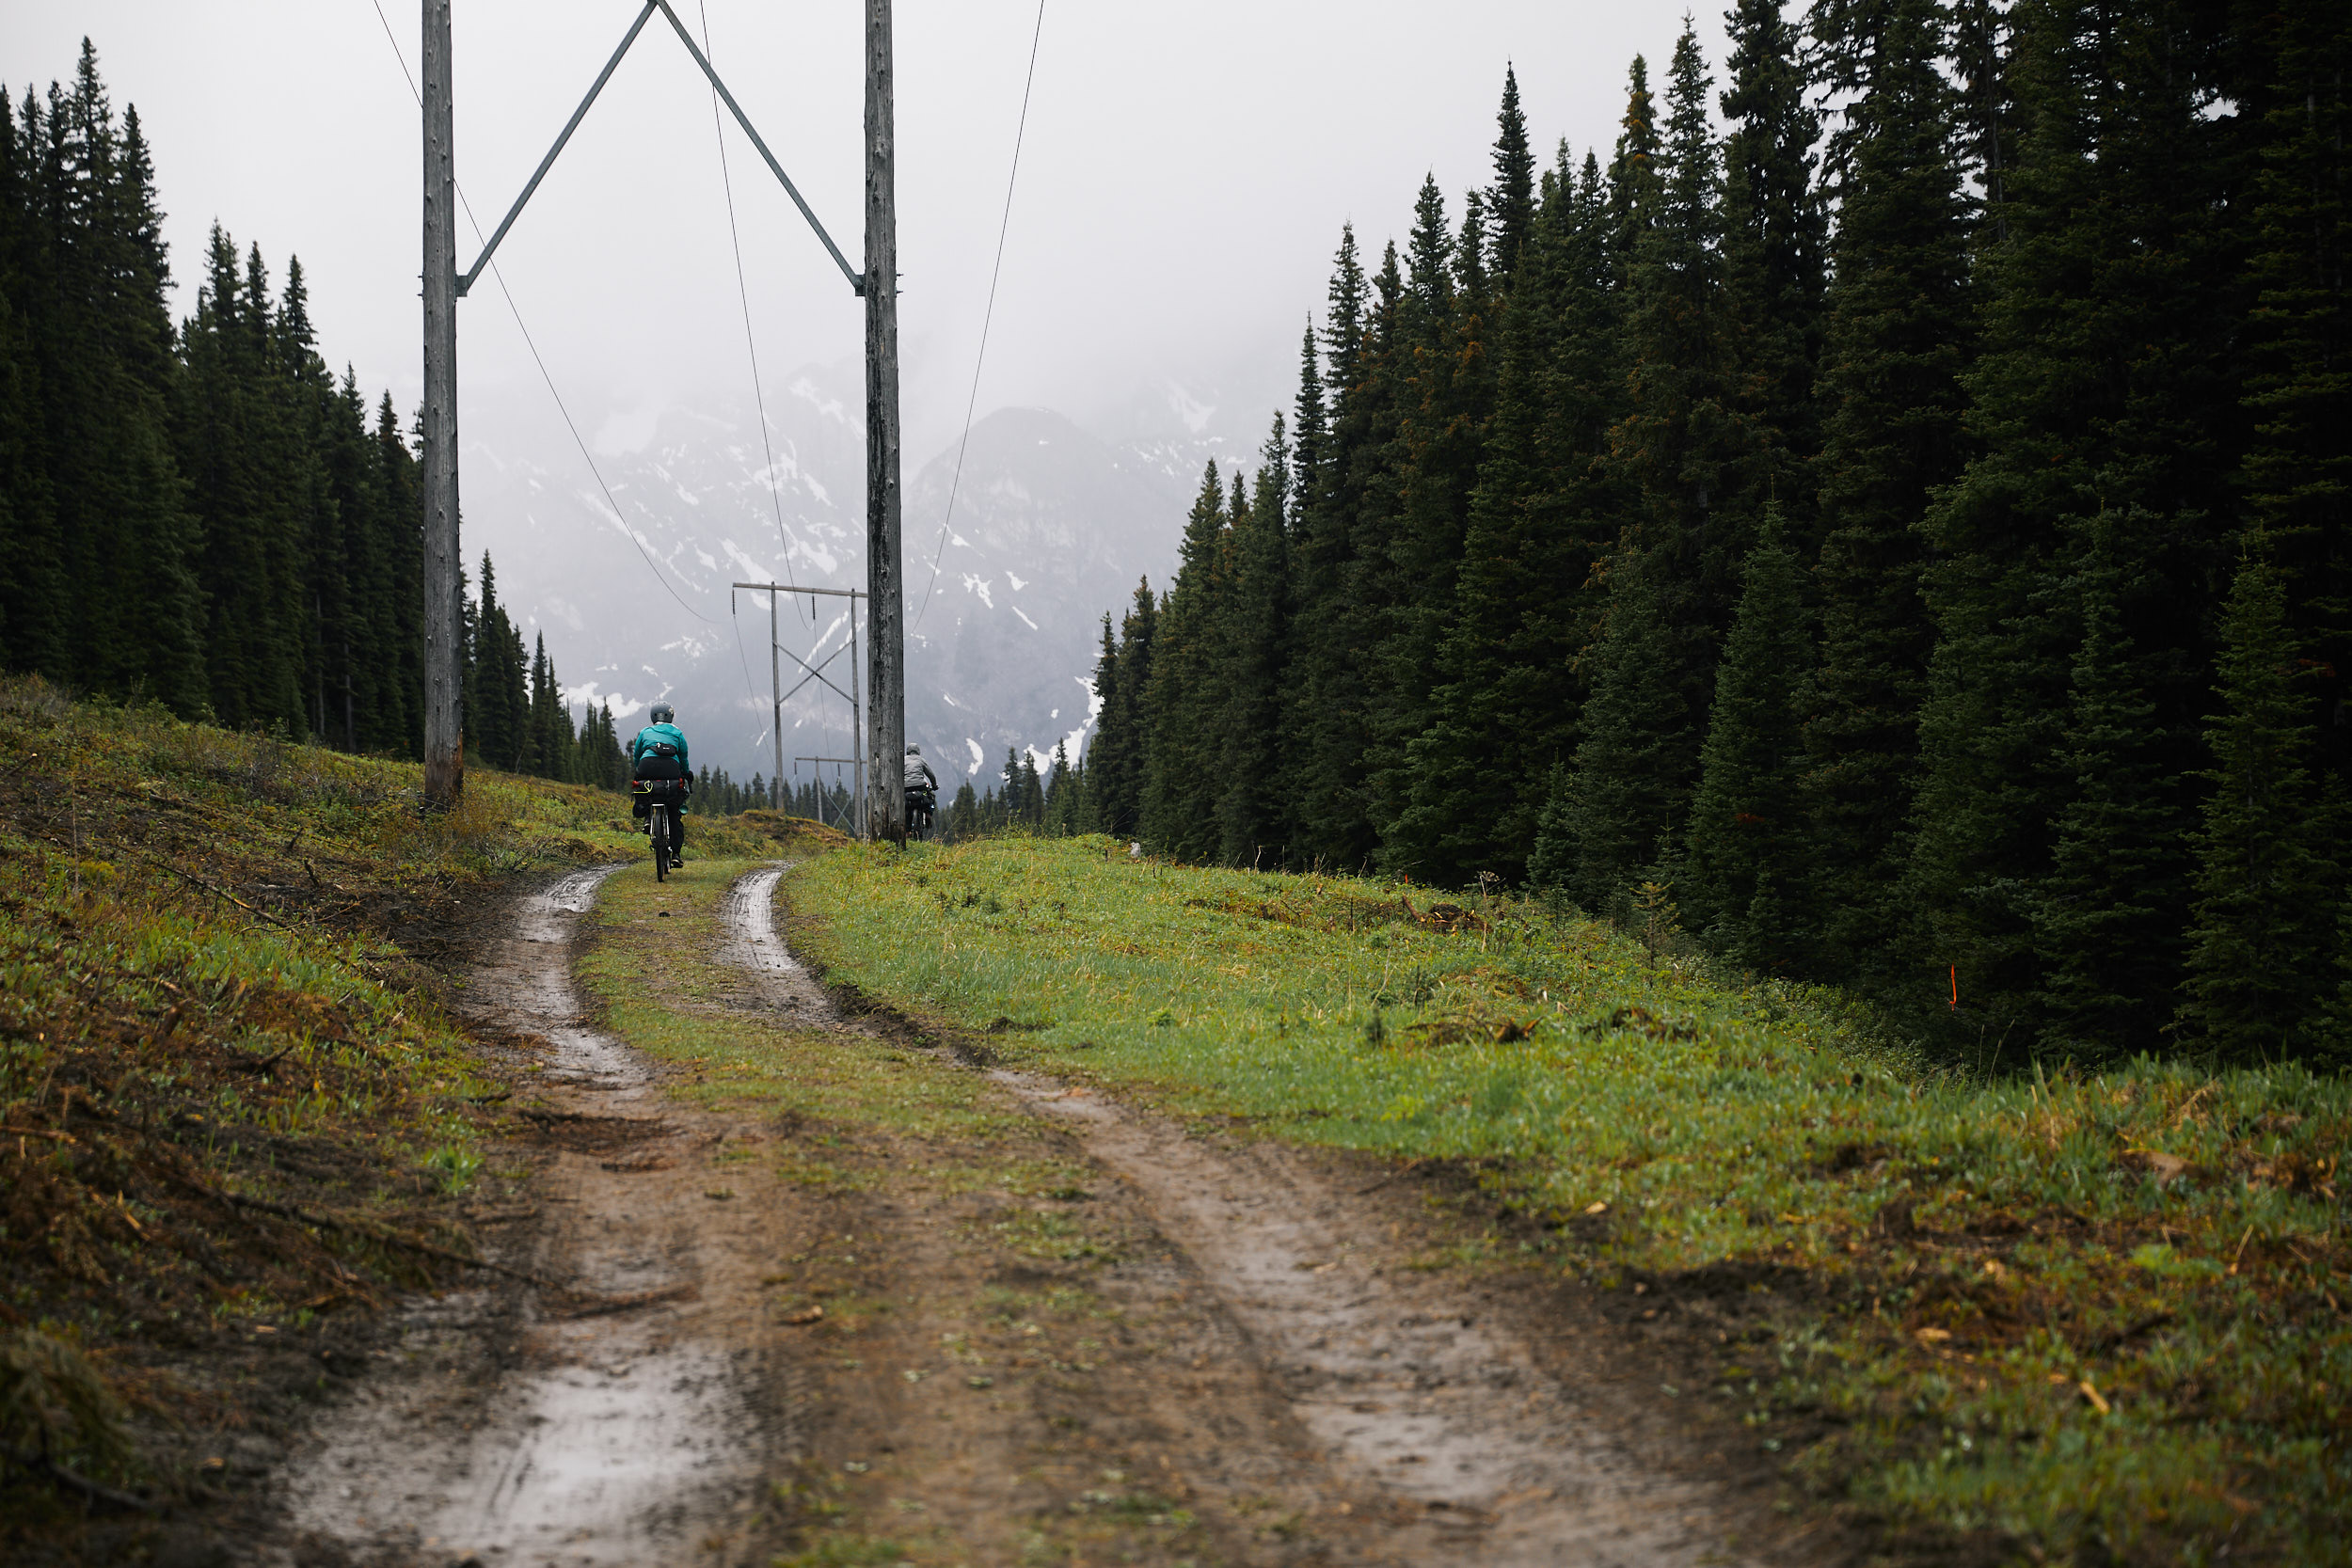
{"points": [[2086, 1313]]}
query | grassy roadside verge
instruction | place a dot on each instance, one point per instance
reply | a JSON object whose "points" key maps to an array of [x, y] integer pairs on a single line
{"points": [[234, 1113], [2076, 1317]]}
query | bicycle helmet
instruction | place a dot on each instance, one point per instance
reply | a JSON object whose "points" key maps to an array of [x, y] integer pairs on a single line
{"points": [[664, 714], [914, 751]]}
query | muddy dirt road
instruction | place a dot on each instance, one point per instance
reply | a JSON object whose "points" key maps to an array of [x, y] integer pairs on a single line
{"points": [[832, 1297]]}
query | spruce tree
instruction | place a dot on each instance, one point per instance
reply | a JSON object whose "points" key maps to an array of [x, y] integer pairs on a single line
{"points": [[1678, 450], [2268, 887], [1633, 174], [1774, 246], [102, 346], [1444, 392], [1504, 711], [1742, 879], [2107, 919], [2297, 472], [1898, 336], [1121, 745], [1185, 698], [1510, 203], [1252, 810], [2105, 336], [1342, 581], [1624, 799], [34, 599]]}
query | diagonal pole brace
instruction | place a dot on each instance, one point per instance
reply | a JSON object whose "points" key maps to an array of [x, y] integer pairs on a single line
{"points": [[467, 283], [857, 283]]}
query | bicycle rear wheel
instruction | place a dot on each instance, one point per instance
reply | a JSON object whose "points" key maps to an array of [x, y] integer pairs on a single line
{"points": [[660, 842]]}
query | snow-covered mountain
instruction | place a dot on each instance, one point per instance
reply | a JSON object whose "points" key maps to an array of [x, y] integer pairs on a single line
{"points": [[1050, 526]]}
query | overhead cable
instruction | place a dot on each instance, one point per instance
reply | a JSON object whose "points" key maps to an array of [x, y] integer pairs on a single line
{"points": [[742, 288], [516, 311], [970, 403]]}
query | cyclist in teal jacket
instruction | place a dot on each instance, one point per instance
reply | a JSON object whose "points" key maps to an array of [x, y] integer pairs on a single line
{"points": [[662, 731]]}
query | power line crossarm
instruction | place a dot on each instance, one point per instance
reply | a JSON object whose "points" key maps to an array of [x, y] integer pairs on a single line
{"points": [[464, 284], [857, 283]]}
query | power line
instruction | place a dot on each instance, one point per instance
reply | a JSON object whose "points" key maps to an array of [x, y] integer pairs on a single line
{"points": [[517, 312], [1020, 133], [742, 288]]}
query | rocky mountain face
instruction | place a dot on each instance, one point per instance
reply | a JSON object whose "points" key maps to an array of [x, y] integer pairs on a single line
{"points": [[1050, 526]]}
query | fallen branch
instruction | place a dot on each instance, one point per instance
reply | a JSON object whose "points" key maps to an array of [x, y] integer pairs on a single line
{"points": [[533, 1114], [218, 893], [1403, 1170], [597, 1307], [390, 1238], [241, 1065], [74, 1480]]}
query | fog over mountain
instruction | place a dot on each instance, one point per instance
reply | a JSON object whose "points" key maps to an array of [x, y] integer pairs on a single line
{"points": [[1052, 526]]}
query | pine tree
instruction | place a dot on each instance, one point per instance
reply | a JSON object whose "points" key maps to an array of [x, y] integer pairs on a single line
{"points": [[1742, 879], [1185, 698], [1679, 450], [2107, 919], [1252, 811], [1511, 201], [1624, 797], [1774, 246], [2106, 335], [1897, 340], [2268, 890]]}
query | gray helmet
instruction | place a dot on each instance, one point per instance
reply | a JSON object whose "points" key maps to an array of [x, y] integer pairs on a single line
{"points": [[914, 751], [664, 714]]}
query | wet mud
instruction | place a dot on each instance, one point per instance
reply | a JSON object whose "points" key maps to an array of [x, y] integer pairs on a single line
{"points": [[1229, 1362], [626, 1418], [1472, 1450]]}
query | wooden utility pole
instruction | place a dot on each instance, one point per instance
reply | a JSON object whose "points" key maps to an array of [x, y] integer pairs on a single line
{"points": [[444, 736], [885, 612]]}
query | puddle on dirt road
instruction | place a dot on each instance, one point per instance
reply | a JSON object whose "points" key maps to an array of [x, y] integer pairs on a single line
{"points": [[1396, 1375], [510, 1434], [528, 988]]}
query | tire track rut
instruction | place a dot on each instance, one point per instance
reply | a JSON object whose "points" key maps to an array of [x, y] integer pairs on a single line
{"points": [[1407, 1386]]}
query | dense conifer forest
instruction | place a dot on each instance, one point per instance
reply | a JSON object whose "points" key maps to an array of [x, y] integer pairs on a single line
{"points": [[1895, 509], [203, 515]]}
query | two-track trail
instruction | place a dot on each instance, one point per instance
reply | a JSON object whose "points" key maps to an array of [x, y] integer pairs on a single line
{"points": [[891, 1307], [629, 1420]]}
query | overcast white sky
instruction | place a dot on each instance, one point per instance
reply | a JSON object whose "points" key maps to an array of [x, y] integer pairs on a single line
{"points": [[1186, 174]]}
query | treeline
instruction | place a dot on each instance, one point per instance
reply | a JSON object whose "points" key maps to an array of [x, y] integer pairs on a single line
{"points": [[203, 516], [1910, 537], [1054, 801], [516, 717]]}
